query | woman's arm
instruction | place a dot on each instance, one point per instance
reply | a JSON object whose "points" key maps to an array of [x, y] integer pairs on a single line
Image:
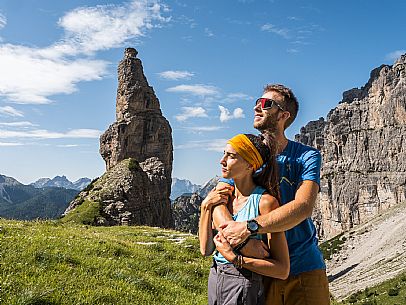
{"points": [[278, 264], [205, 222]]}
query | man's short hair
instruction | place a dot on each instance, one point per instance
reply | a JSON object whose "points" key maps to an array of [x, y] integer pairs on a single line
{"points": [[290, 103]]}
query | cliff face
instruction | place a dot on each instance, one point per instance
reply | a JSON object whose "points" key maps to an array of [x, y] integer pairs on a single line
{"points": [[186, 213], [141, 194], [363, 144]]}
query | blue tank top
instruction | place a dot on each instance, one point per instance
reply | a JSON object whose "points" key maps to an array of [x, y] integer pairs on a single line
{"points": [[249, 211]]}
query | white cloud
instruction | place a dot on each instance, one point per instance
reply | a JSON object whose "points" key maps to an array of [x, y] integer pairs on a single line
{"points": [[10, 144], [18, 124], [10, 111], [176, 75], [102, 27], [29, 78], [191, 112], [217, 145], [237, 97], [208, 32], [45, 134], [68, 145], [225, 114], [200, 90], [278, 31], [204, 128], [31, 75], [394, 55], [292, 51], [3, 21]]}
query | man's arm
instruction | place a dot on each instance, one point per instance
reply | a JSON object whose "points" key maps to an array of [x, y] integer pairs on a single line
{"points": [[221, 214], [281, 219]]}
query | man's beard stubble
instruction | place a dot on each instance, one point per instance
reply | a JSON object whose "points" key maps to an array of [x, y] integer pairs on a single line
{"points": [[268, 123]]}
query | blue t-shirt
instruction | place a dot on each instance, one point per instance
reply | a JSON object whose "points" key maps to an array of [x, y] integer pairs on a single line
{"points": [[298, 162]]}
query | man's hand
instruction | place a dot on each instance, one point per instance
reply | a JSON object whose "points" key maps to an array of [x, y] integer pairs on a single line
{"points": [[235, 232], [224, 247]]}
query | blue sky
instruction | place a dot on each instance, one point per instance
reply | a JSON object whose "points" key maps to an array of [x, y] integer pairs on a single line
{"points": [[207, 61]]}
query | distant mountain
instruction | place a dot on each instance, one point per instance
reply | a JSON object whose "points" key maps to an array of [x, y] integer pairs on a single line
{"points": [[19, 201], [208, 186], [182, 186], [62, 181], [186, 208]]}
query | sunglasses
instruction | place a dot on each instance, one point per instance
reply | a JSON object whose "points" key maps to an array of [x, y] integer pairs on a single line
{"points": [[267, 103]]}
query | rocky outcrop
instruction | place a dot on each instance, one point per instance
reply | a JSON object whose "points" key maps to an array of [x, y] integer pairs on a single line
{"points": [[186, 213], [186, 208], [123, 196], [143, 134], [363, 144]]}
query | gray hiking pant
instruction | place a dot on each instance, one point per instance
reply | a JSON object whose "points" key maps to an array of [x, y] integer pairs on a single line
{"points": [[231, 286]]}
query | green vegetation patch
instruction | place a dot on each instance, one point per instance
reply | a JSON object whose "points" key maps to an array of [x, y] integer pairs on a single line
{"points": [[46, 262], [133, 164], [390, 292], [86, 213], [332, 246]]}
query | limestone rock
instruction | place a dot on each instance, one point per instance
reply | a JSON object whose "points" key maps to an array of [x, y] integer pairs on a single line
{"points": [[186, 212], [363, 144], [122, 198], [141, 133], [186, 208]]}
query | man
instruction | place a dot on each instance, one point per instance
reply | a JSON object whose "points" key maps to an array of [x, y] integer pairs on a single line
{"points": [[299, 171]]}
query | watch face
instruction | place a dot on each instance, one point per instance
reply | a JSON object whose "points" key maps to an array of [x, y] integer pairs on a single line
{"points": [[252, 226]]}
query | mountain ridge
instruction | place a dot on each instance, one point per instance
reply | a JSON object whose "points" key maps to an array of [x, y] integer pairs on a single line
{"points": [[20, 201], [62, 181]]}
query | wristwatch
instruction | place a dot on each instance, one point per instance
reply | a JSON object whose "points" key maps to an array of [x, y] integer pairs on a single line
{"points": [[252, 226]]}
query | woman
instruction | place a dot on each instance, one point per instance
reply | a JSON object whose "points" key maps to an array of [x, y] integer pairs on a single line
{"points": [[235, 279]]}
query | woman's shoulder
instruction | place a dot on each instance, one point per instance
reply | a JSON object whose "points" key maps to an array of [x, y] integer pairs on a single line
{"points": [[268, 202]]}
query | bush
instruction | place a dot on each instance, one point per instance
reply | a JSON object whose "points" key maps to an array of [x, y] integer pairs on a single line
{"points": [[132, 164], [394, 291]]}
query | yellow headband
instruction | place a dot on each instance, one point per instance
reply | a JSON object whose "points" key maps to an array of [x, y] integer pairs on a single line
{"points": [[247, 150]]}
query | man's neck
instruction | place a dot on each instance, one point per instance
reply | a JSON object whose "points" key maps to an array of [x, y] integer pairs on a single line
{"points": [[281, 141]]}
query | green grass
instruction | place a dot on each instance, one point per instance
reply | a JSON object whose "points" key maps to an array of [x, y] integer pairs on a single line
{"points": [[332, 246], [45, 262], [86, 213], [391, 292]]}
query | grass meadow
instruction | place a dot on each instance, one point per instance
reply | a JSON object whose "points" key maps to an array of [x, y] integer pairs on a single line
{"points": [[47, 262], [50, 262]]}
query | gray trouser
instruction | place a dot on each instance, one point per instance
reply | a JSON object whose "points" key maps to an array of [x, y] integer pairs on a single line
{"points": [[231, 286]]}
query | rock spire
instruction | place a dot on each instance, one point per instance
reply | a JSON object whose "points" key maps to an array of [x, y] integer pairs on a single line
{"points": [[138, 153]]}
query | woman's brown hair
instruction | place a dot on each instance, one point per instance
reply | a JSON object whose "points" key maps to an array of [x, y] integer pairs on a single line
{"points": [[267, 175]]}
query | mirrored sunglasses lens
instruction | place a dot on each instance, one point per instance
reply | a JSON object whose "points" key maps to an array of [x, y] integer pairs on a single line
{"points": [[266, 103]]}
